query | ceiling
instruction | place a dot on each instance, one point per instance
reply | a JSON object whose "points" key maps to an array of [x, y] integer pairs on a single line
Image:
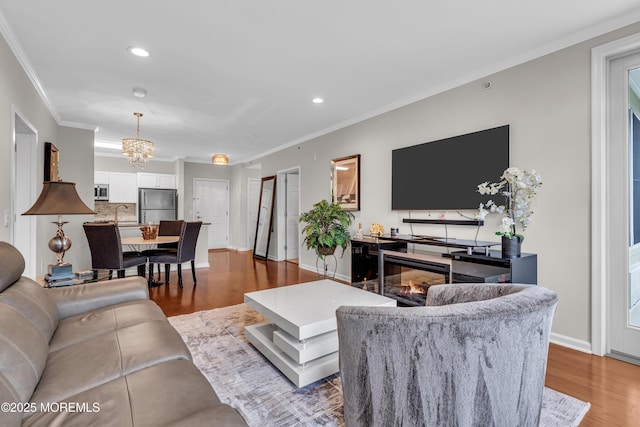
{"points": [[238, 77]]}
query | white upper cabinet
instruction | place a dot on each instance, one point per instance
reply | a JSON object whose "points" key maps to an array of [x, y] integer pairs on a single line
{"points": [[122, 187], [100, 177], [156, 180]]}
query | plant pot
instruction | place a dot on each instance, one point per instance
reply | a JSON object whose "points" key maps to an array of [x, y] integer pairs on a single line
{"points": [[326, 250], [511, 247]]}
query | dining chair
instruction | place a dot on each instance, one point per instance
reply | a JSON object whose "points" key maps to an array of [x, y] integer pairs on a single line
{"points": [[106, 250], [166, 227], [186, 252]]}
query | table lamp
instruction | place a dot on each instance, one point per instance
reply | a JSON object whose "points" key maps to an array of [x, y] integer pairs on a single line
{"points": [[59, 198]]}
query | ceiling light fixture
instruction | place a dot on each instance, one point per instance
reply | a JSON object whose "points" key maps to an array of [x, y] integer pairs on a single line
{"points": [[138, 51], [139, 151], [317, 100], [220, 159], [139, 92]]}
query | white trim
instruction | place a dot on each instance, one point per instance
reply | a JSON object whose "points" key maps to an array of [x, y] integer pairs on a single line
{"points": [[601, 56], [572, 343], [313, 269]]}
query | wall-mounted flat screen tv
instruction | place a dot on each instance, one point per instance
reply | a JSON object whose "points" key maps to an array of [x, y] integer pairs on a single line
{"points": [[444, 174]]}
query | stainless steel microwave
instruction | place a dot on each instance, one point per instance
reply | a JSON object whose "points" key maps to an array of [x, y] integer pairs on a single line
{"points": [[101, 191]]}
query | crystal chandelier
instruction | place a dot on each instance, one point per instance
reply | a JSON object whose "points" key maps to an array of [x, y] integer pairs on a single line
{"points": [[137, 150]]}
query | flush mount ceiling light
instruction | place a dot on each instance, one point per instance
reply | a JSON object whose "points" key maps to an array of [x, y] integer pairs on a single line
{"points": [[220, 159], [138, 51], [137, 150], [317, 100], [139, 92]]}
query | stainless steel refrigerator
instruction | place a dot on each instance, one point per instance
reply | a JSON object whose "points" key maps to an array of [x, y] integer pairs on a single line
{"points": [[155, 204]]}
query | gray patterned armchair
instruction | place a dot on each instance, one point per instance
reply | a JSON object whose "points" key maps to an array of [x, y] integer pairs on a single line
{"points": [[475, 356]]}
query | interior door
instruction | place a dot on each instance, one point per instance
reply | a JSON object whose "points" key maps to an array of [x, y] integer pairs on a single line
{"points": [[292, 214], [623, 193], [211, 204]]}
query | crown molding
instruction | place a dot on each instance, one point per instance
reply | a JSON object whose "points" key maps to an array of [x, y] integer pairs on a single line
{"points": [[23, 60], [591, 32]]}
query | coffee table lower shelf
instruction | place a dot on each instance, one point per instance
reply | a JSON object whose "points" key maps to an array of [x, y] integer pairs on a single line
{"points": [[306, 369]]}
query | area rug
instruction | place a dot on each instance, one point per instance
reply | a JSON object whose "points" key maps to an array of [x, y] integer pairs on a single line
{"points": [[243, 378]]}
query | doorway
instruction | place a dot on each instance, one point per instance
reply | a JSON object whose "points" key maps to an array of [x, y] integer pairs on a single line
{"points": [[25, 141], [624, 193], [211, 205], [616, 199], [288, 215]]}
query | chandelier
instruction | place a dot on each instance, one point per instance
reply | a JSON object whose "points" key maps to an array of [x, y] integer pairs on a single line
{"points": [[137, 150]]}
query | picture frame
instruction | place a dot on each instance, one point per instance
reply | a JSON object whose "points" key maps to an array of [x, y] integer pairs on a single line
{"points": [[51, 162], [345, 182]]}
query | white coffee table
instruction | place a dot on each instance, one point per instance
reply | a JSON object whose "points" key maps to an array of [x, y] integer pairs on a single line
{"points": [[301, 337]]}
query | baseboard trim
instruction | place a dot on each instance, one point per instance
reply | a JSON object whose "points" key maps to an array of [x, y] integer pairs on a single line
{"points": [[571, 343], [239, 249], [313, 269]]}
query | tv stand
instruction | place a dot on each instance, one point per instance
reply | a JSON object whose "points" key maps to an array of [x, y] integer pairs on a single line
{"points": [[467, 264]]}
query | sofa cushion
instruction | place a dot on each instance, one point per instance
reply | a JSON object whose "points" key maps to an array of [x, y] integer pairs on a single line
{"points": [[11, 265], [32, 301], [82, 327], [8, 394], [23, 351], [169, 394], [78, 367]]}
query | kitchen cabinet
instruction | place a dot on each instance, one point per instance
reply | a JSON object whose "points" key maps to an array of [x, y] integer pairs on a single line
{"points": [[123, 187], [156, 180], [100, 177]]}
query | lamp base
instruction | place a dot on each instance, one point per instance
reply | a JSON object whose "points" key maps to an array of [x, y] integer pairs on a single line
{"points": [[57, 272]]}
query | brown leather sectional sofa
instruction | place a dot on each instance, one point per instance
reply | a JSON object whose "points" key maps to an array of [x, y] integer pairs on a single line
{"points": [[95, 354]]}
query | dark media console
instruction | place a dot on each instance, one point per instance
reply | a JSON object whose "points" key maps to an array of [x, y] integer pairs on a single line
{"points": [[466, 266]]}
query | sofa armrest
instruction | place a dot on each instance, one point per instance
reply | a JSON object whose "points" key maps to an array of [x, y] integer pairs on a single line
{"points": [[72, 300]]}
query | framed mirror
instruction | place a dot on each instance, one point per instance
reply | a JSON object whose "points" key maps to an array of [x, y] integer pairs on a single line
{"points": [[265, 217], [345, 182]]}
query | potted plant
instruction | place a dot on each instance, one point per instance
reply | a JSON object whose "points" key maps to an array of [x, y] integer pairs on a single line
{"points": [[327, 228], [519, 187]]}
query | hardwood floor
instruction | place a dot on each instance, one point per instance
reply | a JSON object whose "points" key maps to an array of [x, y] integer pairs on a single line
{"points": [[611, 386]]}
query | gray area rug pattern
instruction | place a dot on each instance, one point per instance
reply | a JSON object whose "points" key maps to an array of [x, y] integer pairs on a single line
{"points": [[243, 378]]}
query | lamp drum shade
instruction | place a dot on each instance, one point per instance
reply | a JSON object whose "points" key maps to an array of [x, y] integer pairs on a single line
{"points": [[59, 198]]}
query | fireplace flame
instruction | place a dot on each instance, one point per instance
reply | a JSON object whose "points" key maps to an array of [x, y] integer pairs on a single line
{"points": [[414, 289]]}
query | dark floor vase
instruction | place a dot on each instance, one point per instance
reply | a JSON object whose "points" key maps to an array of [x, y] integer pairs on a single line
{"points": [[511, 247]]}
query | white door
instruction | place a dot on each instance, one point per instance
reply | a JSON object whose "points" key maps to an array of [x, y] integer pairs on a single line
{"points": [[624, 208], [211, 204], [292, 214], [253, 206], [24, 227]]}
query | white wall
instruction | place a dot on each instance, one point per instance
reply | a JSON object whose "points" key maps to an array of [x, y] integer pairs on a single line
{"points": [[547, 103]]}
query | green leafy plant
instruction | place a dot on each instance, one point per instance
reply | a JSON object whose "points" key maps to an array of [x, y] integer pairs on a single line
{"points": [[326, 228]]}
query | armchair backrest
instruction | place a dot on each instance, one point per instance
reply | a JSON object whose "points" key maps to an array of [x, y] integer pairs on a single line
{"points": [[465, 363], [105, 245]]}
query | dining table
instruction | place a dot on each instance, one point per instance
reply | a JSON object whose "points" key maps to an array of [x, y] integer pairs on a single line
{"points": [[136, 243]]}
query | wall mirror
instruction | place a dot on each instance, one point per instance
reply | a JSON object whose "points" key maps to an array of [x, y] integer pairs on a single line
{"points": [[265, 217]]}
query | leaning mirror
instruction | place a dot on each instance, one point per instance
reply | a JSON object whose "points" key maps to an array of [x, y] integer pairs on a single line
{"points": [[265, 216]]}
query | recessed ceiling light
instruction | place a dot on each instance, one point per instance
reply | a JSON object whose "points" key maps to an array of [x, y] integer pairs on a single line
{"points": [[138, 51], [317, 100]]}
